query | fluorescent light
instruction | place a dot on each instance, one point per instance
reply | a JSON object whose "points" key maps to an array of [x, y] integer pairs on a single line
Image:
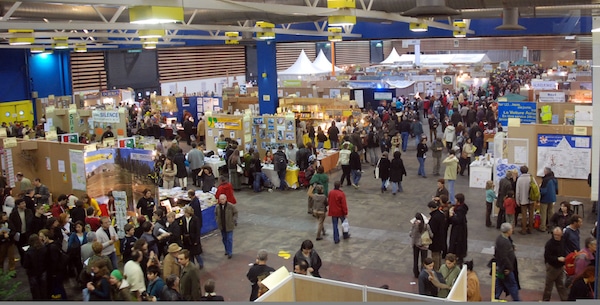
{"points": [[147, 14]]}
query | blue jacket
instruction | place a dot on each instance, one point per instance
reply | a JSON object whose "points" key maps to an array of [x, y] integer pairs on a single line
{"points": [[155, 287], [548, 189]]}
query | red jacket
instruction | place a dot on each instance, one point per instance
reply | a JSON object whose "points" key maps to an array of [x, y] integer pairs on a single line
{"points": [[56, 210], [227, 189], [337, 203]]}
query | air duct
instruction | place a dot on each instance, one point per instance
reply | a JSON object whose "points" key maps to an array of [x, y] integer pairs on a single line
{"points": [[510, 20], [431, 8]]}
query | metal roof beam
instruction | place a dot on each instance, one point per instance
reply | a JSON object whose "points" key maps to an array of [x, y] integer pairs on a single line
{"points": [[130, 26], [10, 11]]}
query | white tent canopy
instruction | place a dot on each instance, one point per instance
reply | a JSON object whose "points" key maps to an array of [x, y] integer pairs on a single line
{"points": [[302, 66], [444, 59], [392, 58], [323, 64]]}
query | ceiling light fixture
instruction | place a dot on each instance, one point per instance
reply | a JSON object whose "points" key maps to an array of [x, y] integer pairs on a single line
{"points": [[80, 48], [344, 6], [151, 33], [463, 29], [431, 8], [37, 50], [268, 33], [418, 27], [149, 40], [232, 37], [21, 41], [147, 14], [510, 20], [60, 43], [335, 34]]}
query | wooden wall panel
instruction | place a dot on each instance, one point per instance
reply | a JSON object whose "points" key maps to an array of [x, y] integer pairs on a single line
{"points": [[187, 63], [287, 53], [88, 72], [311, 291]]}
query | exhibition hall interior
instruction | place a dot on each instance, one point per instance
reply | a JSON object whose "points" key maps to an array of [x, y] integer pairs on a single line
{"points": [[299, 150]]}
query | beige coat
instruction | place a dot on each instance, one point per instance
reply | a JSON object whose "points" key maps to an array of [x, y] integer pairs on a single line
{"points": [[170, 266]]}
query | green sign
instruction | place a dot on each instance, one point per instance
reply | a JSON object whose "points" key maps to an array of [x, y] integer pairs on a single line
{"points": [[292, 83]]}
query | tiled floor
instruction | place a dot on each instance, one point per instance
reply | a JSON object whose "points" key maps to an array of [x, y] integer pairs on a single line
{"points": [[379, 250]]}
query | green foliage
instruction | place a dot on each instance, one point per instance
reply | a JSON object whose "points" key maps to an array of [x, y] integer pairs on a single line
{"points": [[8, 286]]}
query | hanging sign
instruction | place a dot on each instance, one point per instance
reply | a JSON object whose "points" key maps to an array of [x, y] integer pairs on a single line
{"points": [[106, 116], [224, 123], [552, 97]]}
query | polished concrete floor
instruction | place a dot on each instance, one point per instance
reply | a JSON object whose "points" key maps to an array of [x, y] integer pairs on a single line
{"points": [[379, 251]]}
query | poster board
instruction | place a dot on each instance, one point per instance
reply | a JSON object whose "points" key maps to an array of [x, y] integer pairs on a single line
{"points": [[120, 212], [566, 187], [231, 126], [269, 132], [568, 156]]}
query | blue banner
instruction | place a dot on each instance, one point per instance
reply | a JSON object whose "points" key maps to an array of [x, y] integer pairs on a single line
{"points": [[526, 111], [554, 140]]}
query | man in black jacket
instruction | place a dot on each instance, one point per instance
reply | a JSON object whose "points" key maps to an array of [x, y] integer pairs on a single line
{"points": [[258, 272], [19, 223], [302, 157], [555, 262], [439, 228], [504, 252]]}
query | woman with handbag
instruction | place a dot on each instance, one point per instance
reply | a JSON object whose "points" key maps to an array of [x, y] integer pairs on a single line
{"points": [[421, 235], [382, 171]]}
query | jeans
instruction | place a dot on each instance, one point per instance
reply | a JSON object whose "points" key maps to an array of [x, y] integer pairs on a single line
{"points": [[421, 171], [320, 145], [345, 174], [227, 238], [114, 260], [404, 135], [260, 178], [450, 186], [509, 283], [418, 138], [356, 174], [199, 260], [282, 183], [383, 181], [334, 144], [336, 233], [373, 155], [396, 187]]}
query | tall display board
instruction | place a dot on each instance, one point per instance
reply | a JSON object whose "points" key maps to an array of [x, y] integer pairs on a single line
{"points": [[269, 132]]}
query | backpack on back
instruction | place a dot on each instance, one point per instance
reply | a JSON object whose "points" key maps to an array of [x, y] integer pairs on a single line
{"points": [[570, 263], [534, 190], [279, 161]]}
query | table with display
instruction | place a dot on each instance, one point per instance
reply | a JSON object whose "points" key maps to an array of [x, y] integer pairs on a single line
{"points": [[175, 198], [291, 175], [328, 159], [480, 173]]}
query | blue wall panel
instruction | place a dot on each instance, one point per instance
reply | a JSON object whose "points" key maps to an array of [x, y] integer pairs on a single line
{"points": [[13, 75], [50, 73]]}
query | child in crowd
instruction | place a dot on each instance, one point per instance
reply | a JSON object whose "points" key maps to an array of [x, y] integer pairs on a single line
{"points": [[490, 196], [510, 205]]}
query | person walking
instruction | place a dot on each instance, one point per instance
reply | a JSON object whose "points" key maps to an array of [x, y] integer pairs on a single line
{"points": [[226, 216], [190, 230], [404, 127], [504, 187], [338, 210], [310, 255], [319, 206], [344, 161], [504, 252], [459, 233], [451, 163], [355, 167], [522, 198], [417, 130], [555, 263], [450, 136], [383, 165], [436, 153], [548, 192], [397, 170], [333, 132], [421, 155], [280, 163]]}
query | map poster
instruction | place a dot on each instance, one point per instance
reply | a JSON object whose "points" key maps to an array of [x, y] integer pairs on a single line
{"points": [[568, 156], [77, 170], [120, 211]]}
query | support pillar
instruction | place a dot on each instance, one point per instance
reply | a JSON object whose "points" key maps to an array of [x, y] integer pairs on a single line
{"points": [[267, 76]]}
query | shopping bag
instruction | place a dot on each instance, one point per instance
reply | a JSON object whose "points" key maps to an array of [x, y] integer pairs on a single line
{"points": [[345, 226], [387, 183]]}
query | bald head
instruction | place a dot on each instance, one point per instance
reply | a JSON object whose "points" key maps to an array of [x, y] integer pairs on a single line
{"points": [[557, 233], [222, 199]]}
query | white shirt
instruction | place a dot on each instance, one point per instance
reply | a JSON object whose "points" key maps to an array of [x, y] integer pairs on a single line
{"points": [[187, 222], [135, 276], [105, 240]]}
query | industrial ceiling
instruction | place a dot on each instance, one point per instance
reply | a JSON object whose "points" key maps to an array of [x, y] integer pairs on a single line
{"points": [[106, 23]]}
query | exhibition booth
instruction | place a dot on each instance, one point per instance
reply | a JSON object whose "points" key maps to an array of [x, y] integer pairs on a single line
{"points": [[290, 287]]}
